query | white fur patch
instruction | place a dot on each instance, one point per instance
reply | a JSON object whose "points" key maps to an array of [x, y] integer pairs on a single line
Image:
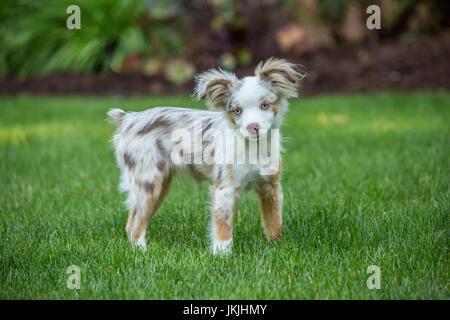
{"points": [[221, 247], [141, 241]]}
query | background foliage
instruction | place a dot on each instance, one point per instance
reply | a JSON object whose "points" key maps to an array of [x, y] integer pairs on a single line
{"points": [[149, 35]]}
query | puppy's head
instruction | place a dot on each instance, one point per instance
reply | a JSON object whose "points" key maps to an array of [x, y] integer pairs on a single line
{"points": [[253, 104]]}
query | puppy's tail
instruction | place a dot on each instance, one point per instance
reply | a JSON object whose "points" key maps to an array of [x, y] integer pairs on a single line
{"points": [[116, 116]]}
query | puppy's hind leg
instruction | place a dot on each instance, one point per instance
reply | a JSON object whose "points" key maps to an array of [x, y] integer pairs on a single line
{"points": [[130, 222], [149, 196]]}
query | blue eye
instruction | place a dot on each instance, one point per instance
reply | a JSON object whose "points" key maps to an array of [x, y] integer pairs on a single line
{"points": [[237, 111], [264, 106]]}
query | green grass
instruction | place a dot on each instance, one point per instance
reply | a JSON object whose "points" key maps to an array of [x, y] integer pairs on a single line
{"points": [[365, 179]]}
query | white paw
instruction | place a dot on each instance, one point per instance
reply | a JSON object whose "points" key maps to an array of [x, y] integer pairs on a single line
{"points": [[141, 242], [221, 247]]}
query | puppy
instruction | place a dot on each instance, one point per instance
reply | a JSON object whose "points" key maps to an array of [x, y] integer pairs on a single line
{"points": [[244, 117]]}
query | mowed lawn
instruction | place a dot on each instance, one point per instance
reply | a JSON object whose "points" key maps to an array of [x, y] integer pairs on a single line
{"points": [[366, 182]]}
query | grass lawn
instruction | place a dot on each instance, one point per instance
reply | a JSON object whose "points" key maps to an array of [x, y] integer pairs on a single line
{"points": [[366, 182]]}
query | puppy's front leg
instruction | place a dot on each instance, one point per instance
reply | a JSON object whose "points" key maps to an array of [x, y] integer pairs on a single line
{"points": [[271, 201], [224, 199]]}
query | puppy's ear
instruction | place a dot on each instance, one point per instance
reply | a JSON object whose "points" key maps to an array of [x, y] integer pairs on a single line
{"points": [[216, 86], [284, 77]]}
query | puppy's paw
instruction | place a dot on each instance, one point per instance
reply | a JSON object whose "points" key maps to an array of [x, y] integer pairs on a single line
{"points": [[221, 247], [140, 243]]}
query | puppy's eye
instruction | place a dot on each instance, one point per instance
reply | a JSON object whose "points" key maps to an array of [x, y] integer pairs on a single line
{"points": [[237, 111], [265, 106]]}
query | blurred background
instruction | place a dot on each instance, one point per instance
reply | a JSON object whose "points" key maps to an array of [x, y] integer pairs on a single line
{"points": [[156, 46]]}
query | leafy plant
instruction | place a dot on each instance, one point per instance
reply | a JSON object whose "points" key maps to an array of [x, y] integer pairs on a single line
{"points": [[36, 40]]}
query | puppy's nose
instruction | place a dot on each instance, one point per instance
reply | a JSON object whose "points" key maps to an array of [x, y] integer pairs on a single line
{"points": [[253, 128]]}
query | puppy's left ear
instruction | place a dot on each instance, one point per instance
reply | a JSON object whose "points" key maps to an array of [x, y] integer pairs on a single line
{"points": [[284, 77], [216, 87]]}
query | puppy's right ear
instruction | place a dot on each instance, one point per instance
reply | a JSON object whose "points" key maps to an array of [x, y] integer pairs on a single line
{"points": [[216, 87]]}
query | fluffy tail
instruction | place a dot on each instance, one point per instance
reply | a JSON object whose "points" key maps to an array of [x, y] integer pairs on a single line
{"points": [[116, 116]]}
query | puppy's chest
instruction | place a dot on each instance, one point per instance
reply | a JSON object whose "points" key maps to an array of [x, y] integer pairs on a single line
{"points": [[248, 175]]}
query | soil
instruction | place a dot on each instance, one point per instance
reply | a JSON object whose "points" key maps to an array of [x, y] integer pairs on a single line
{"points": [[388, 65]]}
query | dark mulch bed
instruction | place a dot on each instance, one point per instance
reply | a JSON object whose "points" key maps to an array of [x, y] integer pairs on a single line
{"points": [[424, 64]]}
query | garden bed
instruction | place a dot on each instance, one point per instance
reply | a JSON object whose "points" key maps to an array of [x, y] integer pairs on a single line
{"points": [[404, 66]]}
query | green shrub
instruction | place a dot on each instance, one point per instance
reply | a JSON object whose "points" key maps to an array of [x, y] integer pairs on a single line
{"points": [[35, 39]]}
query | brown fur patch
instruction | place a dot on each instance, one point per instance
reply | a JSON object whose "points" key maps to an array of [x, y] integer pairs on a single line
{"points": [[277, 176], [275, 107], [270, 206], [130, 220], [161, 165], [158, 182], [224, 228], [217, 82], [140, 228], [267, 75], [217, 92], [148, 186], [231, 117], [160, 147], [212, 190], [156, 123], [129, 161], [219, 177], [198, 176], [230, 173]]}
